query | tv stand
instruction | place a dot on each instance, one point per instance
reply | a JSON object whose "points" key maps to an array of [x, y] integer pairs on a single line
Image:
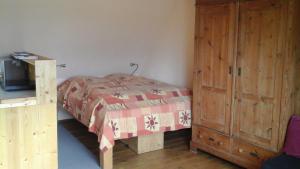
{"points": [[28, 121]]}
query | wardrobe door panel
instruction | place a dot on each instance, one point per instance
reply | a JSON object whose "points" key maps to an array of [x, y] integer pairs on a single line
{"points": [[213, 67], [259, 63]]}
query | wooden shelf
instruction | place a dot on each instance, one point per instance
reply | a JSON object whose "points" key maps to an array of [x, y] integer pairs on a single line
{"points": [[32, 61], [4, 95], [17, 98]]}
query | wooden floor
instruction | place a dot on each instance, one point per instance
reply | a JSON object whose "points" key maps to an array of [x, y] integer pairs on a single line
{"points": [[175, 155]]}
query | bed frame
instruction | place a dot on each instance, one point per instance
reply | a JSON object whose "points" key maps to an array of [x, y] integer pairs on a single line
{"points": [[141, 144]]}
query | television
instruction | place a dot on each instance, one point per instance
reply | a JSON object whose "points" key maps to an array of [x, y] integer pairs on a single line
{"points": [[15, 75]]}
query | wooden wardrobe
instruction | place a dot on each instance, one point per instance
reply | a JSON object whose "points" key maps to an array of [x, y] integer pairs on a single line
{"points": [[245, 77]]}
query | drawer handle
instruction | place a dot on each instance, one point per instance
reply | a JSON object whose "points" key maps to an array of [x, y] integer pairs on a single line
{"points": [[239, 71], [254, 154], [230, 70], [211, 139]]}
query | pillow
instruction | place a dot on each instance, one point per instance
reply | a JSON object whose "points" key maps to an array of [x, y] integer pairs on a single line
{"points": [[292, 142]]}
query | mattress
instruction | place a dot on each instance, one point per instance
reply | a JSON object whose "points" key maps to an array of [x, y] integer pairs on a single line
{"points": [[120, 106]]}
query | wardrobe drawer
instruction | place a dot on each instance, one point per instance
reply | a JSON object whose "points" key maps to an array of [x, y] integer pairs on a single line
{"points": [[211, 138], [250, 152]]}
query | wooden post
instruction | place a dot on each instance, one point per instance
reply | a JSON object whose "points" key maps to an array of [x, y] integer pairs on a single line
{"points": [[106, 159], [144, 144]]}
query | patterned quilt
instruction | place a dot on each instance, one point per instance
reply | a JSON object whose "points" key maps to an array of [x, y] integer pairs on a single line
{"points": [[121, 106]]}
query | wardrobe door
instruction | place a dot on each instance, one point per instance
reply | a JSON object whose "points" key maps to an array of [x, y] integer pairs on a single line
{"points": [[259, 68], [215, 27]]}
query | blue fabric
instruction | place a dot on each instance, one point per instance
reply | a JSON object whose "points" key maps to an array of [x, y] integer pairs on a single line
{"points": [[282, 162], [72, 154]]}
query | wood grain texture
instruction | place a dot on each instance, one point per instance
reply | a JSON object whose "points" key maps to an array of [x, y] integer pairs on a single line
{"points": [[289, 89], [265, 86], [213, 2], [28, 137], [229, 148], [211, 138], [18, 102], [214, 65], [106, 159], [175, 154], [296, 48], [143, 144], [251, 153], [45, 75], [259, 62], [28, 125], [229, 156]]}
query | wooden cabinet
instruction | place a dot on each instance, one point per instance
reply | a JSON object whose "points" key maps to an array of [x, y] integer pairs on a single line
{"points": [[245, 52], [28, 122]]}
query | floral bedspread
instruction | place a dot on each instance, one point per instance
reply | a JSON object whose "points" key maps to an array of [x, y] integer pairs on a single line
{"points": [[121, 106]]}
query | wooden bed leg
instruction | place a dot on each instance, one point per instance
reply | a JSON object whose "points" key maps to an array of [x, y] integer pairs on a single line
{"points": [[144, 144], [106, 159]]}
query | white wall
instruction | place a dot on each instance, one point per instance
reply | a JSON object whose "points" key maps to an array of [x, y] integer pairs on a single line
{"points": [[98, 37], [10, 37]]}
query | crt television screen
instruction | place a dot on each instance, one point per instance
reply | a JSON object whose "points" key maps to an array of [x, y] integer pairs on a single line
{"points": [[16, 72]]}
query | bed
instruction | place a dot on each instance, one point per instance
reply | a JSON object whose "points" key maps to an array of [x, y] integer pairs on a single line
{"points": [[121, 106]]}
